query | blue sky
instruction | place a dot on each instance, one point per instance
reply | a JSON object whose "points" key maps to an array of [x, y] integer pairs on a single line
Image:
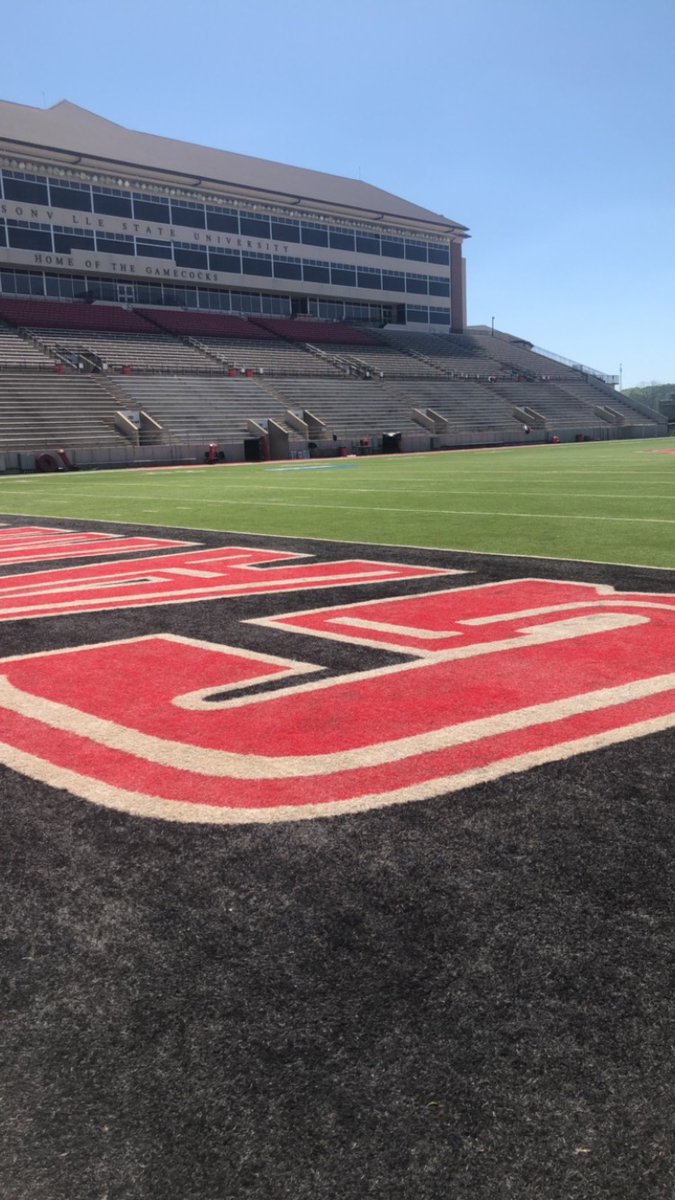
{"points": [[546, 126]]}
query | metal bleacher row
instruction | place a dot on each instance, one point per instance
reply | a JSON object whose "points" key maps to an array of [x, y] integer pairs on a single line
{"points": [[67, 370]]}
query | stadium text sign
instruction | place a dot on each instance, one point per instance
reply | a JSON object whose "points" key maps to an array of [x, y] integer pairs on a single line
{"points": [[492, 679]]}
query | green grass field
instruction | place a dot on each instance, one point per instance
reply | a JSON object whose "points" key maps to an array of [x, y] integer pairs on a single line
{"points": [[604, 502]]}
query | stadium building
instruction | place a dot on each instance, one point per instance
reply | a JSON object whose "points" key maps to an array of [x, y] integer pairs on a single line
{"points": [[91, 207], [163, 302]]}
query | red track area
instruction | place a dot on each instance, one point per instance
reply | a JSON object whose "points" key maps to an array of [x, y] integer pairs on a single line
{"points": [[133, 723]]}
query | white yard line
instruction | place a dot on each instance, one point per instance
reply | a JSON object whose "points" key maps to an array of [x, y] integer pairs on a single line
{"points": [[383, 546], [440, 512], [428, 486]]}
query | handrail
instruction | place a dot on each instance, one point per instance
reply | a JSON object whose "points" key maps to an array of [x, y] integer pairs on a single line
{"points": [[576, 366]]}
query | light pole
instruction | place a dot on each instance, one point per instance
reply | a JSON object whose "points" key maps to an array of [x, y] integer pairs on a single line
{"points": [[493, 327]]}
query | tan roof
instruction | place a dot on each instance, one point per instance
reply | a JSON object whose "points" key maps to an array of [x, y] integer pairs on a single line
{"points": [[66, 127]]}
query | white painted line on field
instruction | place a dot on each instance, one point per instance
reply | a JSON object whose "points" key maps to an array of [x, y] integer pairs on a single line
{"points": [[436, 512], [254, 502], [382, 546], [432, 486]]}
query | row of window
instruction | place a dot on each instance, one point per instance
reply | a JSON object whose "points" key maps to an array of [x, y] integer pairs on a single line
{"points": [[140, 206], [24, 235], [72, 287]]}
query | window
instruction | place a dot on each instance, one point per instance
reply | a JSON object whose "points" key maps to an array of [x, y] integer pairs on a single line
{"points": [[439, 254], [115, 243], [147, 294], [21, 283], [357, 312], [24, 283], [222, 222], [369, 277], [277, 306], [330, 311], [190, 258], [439, 316], [151, 208], [151, 248], [256, 264], [188, 214], [367, 243], [393, 281], [285, 231], [417, 314], [70, 195], [393, 247], [24, 235], [313, 234], [315, 272], [111, 203], [438, 287], [213, 300], [416, 250], [246, 302], [176, 297], [31, 189], [416, 283], [230, 261], [257, 227], [341, 239], [70, 239], [342, 276], [287, 268], [66, 288], [3, 234]]}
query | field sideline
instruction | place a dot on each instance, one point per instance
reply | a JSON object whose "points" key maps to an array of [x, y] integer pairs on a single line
{"points": [[598, 502]]}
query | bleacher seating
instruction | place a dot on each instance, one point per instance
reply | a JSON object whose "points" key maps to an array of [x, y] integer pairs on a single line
{"points": [[194, 409], [351, 408], [453, 354], [66, 368], [39, 410], [149, 352], [386, 360], [465, 404], [557, 406], [269, 356], [595, 392], [19, 352], [517, 354]]}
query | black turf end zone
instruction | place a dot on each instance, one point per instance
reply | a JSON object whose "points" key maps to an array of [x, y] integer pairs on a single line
{"points": [[466, 998]]}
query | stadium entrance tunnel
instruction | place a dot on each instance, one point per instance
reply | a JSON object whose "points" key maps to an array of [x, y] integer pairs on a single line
{"points": [[253, 450]]}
